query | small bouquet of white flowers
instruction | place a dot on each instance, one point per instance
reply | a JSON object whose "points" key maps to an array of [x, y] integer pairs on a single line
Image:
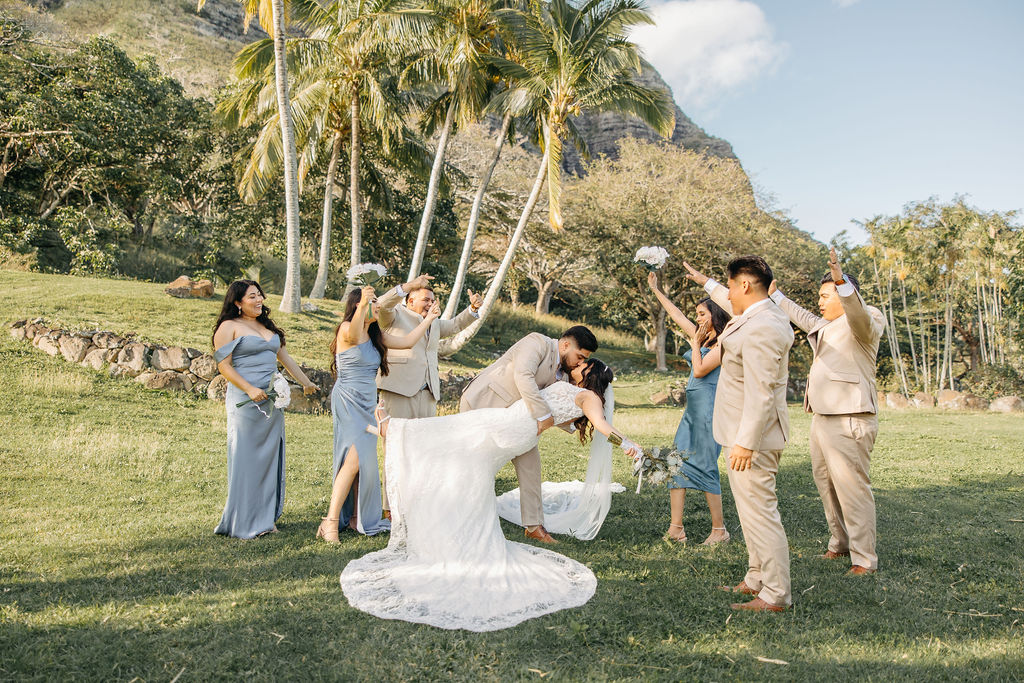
{"points": [[366, 274], [651, 257], [657, 465], [279, 391]]}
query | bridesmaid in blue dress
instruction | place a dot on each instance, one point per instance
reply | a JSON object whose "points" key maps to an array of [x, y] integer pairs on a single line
{"points": [[359, 348], [694, 436], [248, 347]]}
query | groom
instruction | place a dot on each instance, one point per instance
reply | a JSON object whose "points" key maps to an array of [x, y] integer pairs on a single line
{"points": [[751, 421], [533, 363]]}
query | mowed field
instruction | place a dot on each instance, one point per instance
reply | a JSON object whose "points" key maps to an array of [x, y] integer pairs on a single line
{"points": [[109, 568]]}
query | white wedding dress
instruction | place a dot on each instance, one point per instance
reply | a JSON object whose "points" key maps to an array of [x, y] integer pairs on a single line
{"points": [[448, 563]]}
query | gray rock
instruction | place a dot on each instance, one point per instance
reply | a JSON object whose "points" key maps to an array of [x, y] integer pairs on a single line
{"points": [[972, 402], [112, 355], [923, 400], [74, 348], [145, 377], [951, 400], [204, 367], [119, 371], [47, 344], [661, 398], [218, 388], [193, 353], [1007, 404], [172, 358], [107, 340], [96, 359], [19, 323], [309, 307], [133, 358], [897, 401], [18, 332], [167, 380], [200, 387]]}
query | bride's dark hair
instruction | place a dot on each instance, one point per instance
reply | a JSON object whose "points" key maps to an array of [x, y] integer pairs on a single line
{"points": [[596, 377]]}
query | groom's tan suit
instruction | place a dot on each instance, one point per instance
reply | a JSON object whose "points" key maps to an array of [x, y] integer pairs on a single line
{"points": [[750, 411], [530, 365], [842, 396], [412, 387]]}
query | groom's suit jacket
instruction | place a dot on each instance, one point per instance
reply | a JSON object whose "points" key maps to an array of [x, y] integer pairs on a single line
{"points": [[527, 367], [410, 369], [750, 402], [842, 376]]}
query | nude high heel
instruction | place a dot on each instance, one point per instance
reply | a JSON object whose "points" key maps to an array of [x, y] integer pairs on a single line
{"points": [[677, 539], [329, 532], [708, 540]]}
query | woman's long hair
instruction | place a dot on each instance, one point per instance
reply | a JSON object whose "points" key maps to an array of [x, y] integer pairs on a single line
{"points": [[376, 336], [597, 380], [230, 310], [719, 318]]}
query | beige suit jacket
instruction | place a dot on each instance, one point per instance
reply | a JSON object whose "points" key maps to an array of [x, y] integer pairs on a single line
{"points": [[410, 369], [527, 367], [842, 377], [750, 402]]}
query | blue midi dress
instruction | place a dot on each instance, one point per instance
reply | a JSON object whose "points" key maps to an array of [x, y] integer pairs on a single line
{"points": [[255, 442], [694, 437], [353, 399]]}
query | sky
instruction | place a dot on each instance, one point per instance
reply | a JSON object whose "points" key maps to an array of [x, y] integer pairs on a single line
{"points": [[842, 110]]}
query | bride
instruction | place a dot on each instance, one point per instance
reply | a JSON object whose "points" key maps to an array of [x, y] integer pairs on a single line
{"points": [[447, 562]]}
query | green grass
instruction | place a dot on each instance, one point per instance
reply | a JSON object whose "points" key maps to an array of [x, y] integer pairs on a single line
{"points": [[109, 568]]}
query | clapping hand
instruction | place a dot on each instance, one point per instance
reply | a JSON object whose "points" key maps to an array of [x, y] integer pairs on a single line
{"points": [[833, 266], [475, 300], [695, 275], [434, 312]]}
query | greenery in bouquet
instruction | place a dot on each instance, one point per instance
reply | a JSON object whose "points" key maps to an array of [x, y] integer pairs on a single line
{"points": [[652, 258], [279, 392], [657, 465]]}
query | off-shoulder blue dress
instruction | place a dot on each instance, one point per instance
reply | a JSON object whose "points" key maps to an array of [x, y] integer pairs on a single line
{"points": [[255, 442], [695, 436], [353, 399]]}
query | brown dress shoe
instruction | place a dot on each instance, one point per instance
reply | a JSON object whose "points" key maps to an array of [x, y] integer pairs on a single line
{"points": [[540, 534], [858, 570], [756, 605], [740, 587], [831, 555]]}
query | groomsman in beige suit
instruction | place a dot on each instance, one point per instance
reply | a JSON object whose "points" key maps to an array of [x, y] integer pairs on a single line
{"points": [[841, 395], [751, 422], [531, 364], [412, 387]]}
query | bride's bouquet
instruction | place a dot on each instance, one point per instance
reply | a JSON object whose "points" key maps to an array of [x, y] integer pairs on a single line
{"points": [[366, 274], [656, 465], [653, 258], [279, 391]]}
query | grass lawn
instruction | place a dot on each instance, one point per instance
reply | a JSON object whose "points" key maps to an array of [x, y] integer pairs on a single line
{"points": [[109, 568]]}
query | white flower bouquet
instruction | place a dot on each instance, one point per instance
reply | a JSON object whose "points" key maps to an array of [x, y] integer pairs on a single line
{"points": [[279, 390], [366, 274], [651, 257], [657, 465]]}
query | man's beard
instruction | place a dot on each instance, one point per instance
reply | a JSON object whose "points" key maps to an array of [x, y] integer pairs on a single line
{"points": [[566, 370]]}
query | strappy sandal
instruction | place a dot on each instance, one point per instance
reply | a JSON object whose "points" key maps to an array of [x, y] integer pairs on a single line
{"points": [[330, 533], [677, 539], [381, 416], [709, 542]]}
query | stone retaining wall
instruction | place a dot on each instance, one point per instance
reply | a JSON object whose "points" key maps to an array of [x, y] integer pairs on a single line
{"points": [[176, 368]]}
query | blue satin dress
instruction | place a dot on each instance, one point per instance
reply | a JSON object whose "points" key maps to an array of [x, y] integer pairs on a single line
{"points": [[695, 436], [255, 442], [352, 402]]}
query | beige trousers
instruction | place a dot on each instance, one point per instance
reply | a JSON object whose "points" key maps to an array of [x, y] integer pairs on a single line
{"points": [[527, 472], [841, 459], [753, 490], [420, 404]]}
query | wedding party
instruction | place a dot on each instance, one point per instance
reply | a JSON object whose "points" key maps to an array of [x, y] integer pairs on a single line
{"points": [[612, 340]]}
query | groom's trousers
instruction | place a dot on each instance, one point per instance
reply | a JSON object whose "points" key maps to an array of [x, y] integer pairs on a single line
{"points": [[753, 490], [527, 472]]}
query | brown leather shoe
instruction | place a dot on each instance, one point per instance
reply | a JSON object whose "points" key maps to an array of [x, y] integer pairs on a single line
{"points": [[831, 555], [539, 534], [740, 587], [756, 605], [858, 570]]}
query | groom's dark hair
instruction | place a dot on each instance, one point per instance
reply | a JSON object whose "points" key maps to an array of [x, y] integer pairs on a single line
{"points": [[827, 277], [754, 266], [583, 337]]}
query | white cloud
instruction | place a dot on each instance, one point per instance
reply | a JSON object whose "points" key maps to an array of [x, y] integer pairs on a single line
{"points": [[845, 3], [706, 49]]}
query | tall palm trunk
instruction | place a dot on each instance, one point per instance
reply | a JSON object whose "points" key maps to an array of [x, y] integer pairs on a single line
{"points": [[291, 297], [453, 344], [660, 332], [320, 286], [435, 181], [355, 201], [474, 218]]}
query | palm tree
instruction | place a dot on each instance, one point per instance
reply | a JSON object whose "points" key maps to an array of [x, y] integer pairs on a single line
{"points": [[271, 18], [466, 31], [345, 68], [571, 59]]}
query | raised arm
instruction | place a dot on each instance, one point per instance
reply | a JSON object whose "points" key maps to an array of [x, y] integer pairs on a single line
{"points": [[800, 316], [408, 341], [447, 328], [688, 327], [391, 298], [866, 323], [718, 292]]}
